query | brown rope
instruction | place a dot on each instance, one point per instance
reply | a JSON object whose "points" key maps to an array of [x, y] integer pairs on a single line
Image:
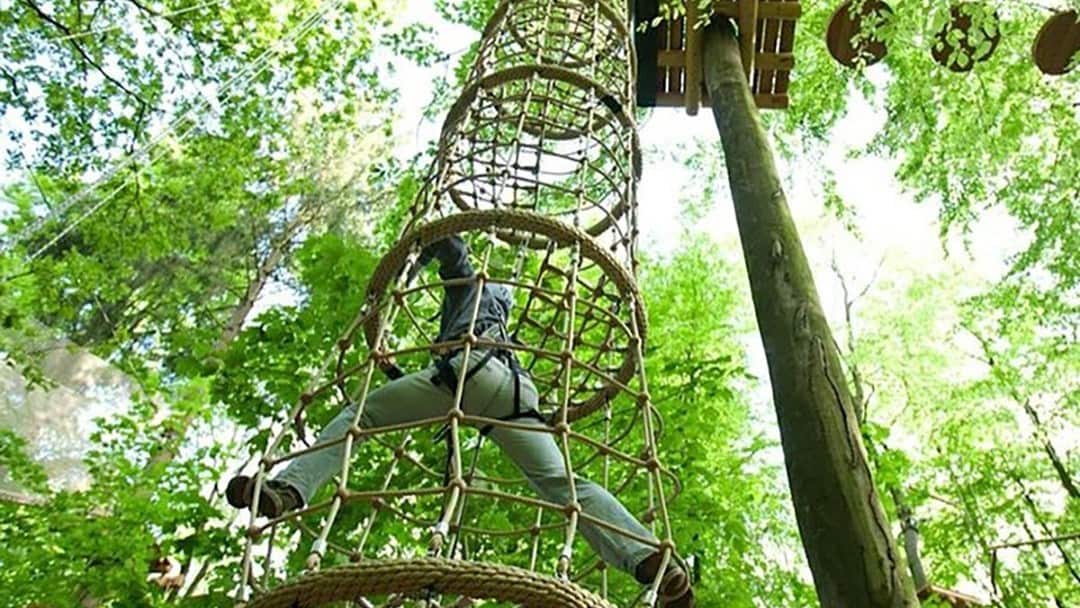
{"points": [[540, 152], [394, 262], [477, 580]]}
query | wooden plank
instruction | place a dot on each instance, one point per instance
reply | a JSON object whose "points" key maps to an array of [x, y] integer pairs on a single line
{"points": [[747, 21], [771, 101], [787, 44], [677, 34], [766, 10], [694, 75], [763, 101], [669, 100], [762, 60], [675, 74], [953, 598], [670, 58], [768, 46], [759, 47], [646, 46], [661, 71], [768, 65], [778, 62]]}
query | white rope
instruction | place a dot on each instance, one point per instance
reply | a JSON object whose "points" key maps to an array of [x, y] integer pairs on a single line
{"points": [[246, 75], [29, 44], [113, 28]]}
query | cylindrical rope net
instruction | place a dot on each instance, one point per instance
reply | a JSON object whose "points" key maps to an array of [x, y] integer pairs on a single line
{"points": [[536, 176], [545, 122]]}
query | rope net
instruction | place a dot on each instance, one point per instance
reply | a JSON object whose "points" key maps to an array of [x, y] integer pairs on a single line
{"points": [[536, 174], [545, 122]]}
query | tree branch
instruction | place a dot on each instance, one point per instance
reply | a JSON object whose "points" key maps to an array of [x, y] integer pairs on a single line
{"points": [[41, 191], [29, 500], [1035, 541], [10, 77], [82, 52]]}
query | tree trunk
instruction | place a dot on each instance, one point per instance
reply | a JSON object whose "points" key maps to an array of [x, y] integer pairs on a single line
{"points": [[1044, 570], [844, 530], [1039, 430], [1050, 535]]}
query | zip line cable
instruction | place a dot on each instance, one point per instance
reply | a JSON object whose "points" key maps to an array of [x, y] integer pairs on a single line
{"points": [[113, 28], [27, 44], [244, 76]]}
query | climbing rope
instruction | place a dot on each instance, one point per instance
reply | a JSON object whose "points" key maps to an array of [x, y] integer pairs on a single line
{"points": [[536, 171]]}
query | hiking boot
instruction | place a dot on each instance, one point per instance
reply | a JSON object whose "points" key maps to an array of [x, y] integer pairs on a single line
{"points": [[675, 590], [275, 499]]}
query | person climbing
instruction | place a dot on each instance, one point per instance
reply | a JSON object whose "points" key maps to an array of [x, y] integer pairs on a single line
{"points": [[496, 387]]}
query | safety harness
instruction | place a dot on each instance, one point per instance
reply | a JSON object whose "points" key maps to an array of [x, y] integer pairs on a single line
{"points": [[447, 377]]}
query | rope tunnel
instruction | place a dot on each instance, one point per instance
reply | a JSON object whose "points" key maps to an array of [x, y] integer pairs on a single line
{"points": [[536, 173]]}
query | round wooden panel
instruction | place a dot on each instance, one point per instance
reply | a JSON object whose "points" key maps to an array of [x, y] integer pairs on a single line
{"points": [[977, 43], [1057, 42], [849, 19]]}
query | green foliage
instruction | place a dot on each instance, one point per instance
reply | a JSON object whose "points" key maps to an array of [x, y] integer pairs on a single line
{"points": [[19, 468], [284, 181], [732, 514], [965, 404], [99, 542], [970, 394]]}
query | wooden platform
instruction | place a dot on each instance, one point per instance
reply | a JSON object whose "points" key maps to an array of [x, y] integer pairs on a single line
{"points": [[669, 55]]}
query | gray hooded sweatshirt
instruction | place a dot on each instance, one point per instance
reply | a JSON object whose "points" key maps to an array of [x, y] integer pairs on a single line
{"points": [[457, 305]]}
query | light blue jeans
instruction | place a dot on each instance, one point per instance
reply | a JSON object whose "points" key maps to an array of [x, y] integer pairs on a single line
{"points": [[489, 393]]}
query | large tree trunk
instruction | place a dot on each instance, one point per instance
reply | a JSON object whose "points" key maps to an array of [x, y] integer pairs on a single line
{"points": [[844, 530]]}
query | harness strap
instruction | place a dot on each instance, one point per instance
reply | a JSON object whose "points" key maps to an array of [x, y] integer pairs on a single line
{"points": [[515, 368], [535, 415], [445, 375]]}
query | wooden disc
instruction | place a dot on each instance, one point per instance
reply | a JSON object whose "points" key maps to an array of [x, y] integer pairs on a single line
{"points": [[846, 22], [960, 21], [1057, 42]]}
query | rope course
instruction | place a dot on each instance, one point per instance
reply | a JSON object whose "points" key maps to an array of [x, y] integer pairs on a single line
{"points": [[536, 171]]}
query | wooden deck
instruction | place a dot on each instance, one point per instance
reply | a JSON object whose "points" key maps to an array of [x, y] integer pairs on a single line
{"points": [[669, 56]]}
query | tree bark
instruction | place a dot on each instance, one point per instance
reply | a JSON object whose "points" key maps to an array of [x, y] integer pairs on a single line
{"points": [[1043, 436], [845, 534], [1044, 570], [1050, 537]]}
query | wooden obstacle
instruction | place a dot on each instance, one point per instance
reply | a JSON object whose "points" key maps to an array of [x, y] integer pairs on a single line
{"points": [[850, 35], [958, 46], [965, 40], [670, 55], [1057, 42]]}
